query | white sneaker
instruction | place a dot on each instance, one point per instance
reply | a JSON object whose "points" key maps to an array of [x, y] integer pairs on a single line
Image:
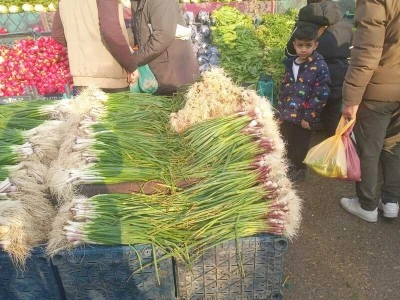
{"points": [[390, 210], [352, 205]]}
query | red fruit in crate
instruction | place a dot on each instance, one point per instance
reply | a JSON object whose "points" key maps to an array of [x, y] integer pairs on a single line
{"points": [[52, 89], [3, 30], [30, 75], [42, 62]]}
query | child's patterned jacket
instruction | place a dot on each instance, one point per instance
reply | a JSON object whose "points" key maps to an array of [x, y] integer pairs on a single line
{"points": [[304, 98]]}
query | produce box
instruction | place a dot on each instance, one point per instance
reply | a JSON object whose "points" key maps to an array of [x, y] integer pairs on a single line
{"points": [[31, 93], [10, 38], [24, 22], [108, 272], [254, 271], [36, 281], [35, 60]]}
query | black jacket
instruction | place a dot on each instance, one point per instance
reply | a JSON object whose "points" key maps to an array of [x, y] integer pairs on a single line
{"points": [[334, 43]]}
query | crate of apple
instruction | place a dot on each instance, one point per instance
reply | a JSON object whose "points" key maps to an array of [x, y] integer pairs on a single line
{"points": [[42, 63]]}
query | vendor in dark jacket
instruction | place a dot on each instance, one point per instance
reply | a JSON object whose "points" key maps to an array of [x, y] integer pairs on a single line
{"points": [[159, 30], [334, 45]]}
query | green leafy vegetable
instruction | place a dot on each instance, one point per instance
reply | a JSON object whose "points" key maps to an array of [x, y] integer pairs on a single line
{"points": [[242, 55]]}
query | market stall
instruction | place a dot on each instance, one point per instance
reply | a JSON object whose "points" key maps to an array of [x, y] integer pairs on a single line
{"points": [[228, 146], [138, 196]]}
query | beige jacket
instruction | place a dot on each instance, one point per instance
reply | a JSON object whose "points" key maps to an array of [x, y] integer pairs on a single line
{"points": [[90, 58], [374, 72]]}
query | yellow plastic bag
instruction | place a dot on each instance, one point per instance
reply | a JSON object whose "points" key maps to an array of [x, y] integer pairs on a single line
{"points": [[328, 158]]}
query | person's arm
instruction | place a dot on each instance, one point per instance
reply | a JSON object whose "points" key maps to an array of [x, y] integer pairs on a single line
{"points": [[366, 53], [111, 32], [319, 95], [164, 19], [57, 29]]}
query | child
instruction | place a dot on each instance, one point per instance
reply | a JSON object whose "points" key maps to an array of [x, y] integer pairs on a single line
{"points": [[304, 92], [335, 39]]}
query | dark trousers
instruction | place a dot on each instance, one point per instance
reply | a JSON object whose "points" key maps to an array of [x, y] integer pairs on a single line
{"points": [[377, 132], [297, 140], [331, 114]]}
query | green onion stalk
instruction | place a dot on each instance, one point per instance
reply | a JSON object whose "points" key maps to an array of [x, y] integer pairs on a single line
{"points": [[3, 172], [25, 115], [12, 154], [14, 145]]}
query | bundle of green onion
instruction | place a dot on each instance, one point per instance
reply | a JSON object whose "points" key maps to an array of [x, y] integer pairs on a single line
{"points": [[233, 197], [25, 212], [223, 140], [15, 122], [131, 142]]}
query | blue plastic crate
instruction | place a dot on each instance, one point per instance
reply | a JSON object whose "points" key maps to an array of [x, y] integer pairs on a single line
{"points": [[21, 22], [220, 274], [107, 273], [37, 282]]}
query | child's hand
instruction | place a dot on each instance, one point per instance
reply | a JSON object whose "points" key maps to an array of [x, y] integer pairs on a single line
{"points": [[305, 124]]}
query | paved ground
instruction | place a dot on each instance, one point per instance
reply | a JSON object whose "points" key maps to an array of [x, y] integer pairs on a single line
{"points": [[338, 256]]}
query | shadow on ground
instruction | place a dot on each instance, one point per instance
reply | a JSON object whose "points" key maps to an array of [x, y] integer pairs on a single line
{"points": [[336, 255]]}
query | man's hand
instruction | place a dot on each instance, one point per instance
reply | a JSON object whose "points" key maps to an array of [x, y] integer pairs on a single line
{"points": [[133, 77], [349, 111], [305, 124]]}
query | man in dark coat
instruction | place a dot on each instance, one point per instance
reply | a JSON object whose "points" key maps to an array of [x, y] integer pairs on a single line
{"points": [[334, 45], [169, 55]]}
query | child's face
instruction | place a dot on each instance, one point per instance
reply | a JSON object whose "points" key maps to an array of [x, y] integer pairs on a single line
{"points": [[304, 48]]}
